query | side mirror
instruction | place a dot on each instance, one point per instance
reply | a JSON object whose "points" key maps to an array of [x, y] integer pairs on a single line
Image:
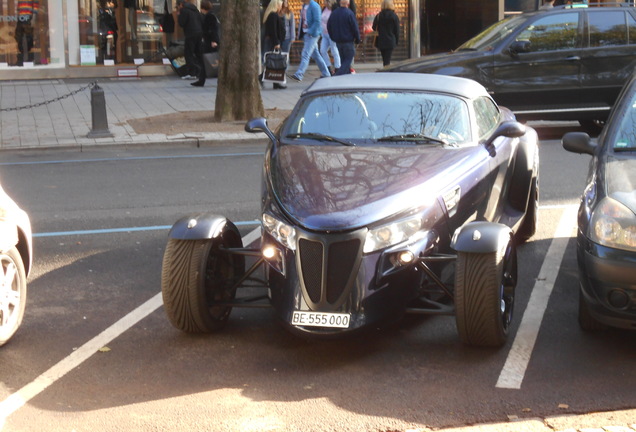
{"points": [[259, 124], [509, 129], [520, 46], [578, 142]]}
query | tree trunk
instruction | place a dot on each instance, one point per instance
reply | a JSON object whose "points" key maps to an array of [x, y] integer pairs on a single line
{"points": [[238, 95]]}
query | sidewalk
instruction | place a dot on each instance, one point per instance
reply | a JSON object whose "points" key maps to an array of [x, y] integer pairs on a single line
{"points": [[65, 123], [52, 119]]}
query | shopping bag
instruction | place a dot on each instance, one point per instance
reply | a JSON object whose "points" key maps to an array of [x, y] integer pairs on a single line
{"points": [[211, 63], [275, 67]]}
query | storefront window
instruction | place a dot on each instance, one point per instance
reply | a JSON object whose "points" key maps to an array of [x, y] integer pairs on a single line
{"points": [[24, 33], [123, 31]]}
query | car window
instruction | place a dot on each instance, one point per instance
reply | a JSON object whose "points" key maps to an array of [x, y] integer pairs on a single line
{"points": [[608, 28], [487, 39], [626, 133], [552, 33], [376, 115], [487, 116]]}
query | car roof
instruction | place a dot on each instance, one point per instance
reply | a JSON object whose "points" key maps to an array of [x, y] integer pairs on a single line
{"points": [[462, 87]]}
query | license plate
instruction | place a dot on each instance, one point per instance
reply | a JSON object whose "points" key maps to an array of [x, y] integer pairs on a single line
{"points": [[321, 319]]}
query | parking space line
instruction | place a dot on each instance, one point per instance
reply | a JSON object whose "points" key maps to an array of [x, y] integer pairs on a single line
{"points": [[514, 369], [18, 399]]}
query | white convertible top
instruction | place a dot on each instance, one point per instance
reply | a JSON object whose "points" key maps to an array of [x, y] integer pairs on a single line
{"points": [[463, 87]]}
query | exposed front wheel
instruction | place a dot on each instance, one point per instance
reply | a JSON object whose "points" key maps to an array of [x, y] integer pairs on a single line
{"points": [[484, 295], [13, 293], [197, 281]]}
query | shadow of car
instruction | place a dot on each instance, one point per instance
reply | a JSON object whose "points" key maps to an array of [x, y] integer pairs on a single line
{"points": [[15, 265], [379, 197], [566, 63], [606, 238]]}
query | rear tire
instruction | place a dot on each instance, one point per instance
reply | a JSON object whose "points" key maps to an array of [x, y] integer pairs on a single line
{"points": [[197, 276], [13, 293], [484, 295]]}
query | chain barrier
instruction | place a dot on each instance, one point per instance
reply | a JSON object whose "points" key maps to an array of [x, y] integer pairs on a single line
{"points": [[59, 98]]}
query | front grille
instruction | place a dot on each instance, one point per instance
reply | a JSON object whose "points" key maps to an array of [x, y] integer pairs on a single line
{"points": [[328, 267]]}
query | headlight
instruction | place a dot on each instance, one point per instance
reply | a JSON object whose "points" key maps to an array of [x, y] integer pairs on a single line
{"points": [[613, 225], [391, 234], [283, 233]]}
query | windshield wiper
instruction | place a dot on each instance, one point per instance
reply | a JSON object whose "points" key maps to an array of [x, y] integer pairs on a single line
{"points": [[320, 137], [414, 137]]}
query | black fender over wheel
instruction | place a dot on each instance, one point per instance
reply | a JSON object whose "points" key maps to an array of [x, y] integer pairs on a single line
{"points": [[484, 295], [531, 219], [197, 277], [13, 293]]}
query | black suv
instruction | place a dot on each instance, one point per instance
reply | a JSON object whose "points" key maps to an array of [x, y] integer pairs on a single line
{"points": [[566, 63]]}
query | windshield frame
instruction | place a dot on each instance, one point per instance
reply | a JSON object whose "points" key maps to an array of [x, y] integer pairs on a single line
{"points": [[493, 35]]}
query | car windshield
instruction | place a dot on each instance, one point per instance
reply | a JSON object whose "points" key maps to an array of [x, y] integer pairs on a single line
{"points": [[387, 117], [626, 133], [487, 39]]}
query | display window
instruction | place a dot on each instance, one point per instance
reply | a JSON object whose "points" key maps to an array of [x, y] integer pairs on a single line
{"points": [[366, 10], [24, 33], [123, 31]]}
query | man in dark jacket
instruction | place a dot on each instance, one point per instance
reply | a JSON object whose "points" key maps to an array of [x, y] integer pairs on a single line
{"points": [[343, 29], [190, 20]]}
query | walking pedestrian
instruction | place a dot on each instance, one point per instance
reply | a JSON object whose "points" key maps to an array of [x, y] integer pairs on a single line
{"points": [[310, 30], [274, 33], [343, 29], [289, 23], [326, 44], [387, 24], [191, 22], [210, 28]]}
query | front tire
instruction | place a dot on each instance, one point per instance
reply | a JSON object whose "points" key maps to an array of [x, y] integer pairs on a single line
{"points": [[13, 293], [197, 278], [484, 295]]}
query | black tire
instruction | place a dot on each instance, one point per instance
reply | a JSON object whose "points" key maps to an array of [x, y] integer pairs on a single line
{"points": [[586, 321], [13, 293], [195, 277], [484, 295], [531, 219]]}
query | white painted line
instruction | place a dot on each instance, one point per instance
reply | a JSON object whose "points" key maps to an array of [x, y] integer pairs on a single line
{"points": [[25, 394], [516, 364]]}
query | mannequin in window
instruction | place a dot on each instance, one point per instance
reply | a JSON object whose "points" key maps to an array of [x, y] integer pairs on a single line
{"points": [[108, 29], [131, 14], [27, 13]]}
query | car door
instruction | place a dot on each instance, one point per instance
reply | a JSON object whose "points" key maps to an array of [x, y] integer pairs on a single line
{"points": [[610, 56], [540, 68]]}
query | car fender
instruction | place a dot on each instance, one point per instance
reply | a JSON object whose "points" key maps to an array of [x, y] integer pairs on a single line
{"points": [[525, 169], [202, 226], [481, 237]]}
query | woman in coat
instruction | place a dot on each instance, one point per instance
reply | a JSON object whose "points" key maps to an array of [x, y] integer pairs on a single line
{"points": [[274, 30], [387, 24]]}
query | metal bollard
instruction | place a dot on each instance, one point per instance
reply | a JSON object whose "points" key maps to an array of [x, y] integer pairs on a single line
{"points": [[98, 112]]}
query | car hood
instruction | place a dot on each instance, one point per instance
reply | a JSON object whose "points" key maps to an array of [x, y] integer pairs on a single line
{"points": [[433, 62], [338, 188], [620, 173]]}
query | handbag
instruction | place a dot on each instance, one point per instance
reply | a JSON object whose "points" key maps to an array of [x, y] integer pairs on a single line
{"points": [[275, 67]]}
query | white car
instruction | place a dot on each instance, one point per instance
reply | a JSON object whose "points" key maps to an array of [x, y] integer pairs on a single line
{"points": [[16, 251]]}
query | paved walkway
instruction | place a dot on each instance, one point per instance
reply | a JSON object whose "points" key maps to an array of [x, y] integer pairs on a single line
{"points": [[65, 123], [57, 113]]}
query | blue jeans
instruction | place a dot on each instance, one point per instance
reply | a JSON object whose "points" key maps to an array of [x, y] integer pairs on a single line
{"points": [[310, 50], [347, 51], [327, 44]]}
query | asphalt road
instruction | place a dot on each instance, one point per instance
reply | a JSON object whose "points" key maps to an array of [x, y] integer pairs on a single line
{"points": [[101, 220]]}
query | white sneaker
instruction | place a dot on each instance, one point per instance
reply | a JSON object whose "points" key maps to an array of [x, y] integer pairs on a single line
{"points": [[186, 77]]}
